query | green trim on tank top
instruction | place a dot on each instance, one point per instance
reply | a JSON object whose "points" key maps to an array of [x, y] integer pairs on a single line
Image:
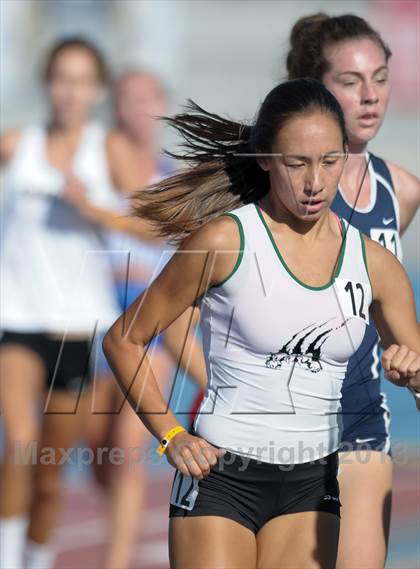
{"points": [[283, 262], [241, 248]]}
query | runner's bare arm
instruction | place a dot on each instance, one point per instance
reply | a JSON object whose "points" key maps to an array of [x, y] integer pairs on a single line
{"points": [[122, 178], [394, 313], [76, 194], [206, 258], [407, 191]]}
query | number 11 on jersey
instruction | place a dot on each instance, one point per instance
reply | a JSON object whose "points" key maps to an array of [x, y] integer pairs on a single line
{"points": [[389, 239]]}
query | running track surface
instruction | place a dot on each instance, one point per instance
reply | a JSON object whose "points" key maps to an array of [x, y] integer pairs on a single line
{"points": [[80, 536]]}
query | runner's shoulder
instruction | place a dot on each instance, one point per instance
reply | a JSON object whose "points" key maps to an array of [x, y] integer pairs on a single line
{"points": [[9, 141], [219, 234], [405, 183]]}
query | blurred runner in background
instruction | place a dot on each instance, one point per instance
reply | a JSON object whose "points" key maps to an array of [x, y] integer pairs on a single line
{"points": [[52, 263], [60, 180], [134, 162]]}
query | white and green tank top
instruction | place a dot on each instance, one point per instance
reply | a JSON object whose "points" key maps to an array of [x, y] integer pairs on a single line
{"points": [[277, 349]]}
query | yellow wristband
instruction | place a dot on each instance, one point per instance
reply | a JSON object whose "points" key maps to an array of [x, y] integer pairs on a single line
{"points": [[166, 439]]}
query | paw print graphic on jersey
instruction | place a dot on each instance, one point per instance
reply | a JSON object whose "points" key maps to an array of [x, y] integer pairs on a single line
{"points": [[304, 348]]}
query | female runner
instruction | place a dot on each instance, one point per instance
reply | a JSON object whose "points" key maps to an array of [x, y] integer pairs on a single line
{"points": [[380, 199], [60, 183], [51, 266], [256, 483]]}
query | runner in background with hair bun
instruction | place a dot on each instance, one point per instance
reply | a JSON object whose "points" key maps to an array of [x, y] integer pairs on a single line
{"points": [[380, 199]]}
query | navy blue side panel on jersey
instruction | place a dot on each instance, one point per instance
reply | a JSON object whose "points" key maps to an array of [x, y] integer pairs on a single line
{"points": [[361, 388], [382, 169]]}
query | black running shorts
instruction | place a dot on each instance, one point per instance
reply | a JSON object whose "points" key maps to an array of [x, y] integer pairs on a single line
{"points": [[67, 363], [252, 493]]}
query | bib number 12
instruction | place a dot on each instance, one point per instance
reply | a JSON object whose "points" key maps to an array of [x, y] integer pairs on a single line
{"points": [[184, 491], [356, 311], [354, 299]]}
